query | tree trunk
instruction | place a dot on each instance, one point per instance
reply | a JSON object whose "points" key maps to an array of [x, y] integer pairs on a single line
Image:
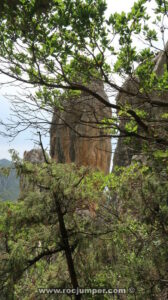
{"points": [[67, 248]]}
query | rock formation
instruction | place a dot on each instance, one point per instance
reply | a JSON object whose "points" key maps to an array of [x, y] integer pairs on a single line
{"points": [[124, 151], [75, 134], [35, 156]]}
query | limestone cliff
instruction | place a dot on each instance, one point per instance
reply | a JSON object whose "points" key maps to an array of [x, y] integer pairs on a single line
{"points": [[124, 151], [75, 135]]}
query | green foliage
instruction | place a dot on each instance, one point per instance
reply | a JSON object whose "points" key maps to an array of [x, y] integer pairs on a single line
{"points": [[116, 224], [30, 228], [60, 47], [131, 126], [60, 39], [140, 226]]}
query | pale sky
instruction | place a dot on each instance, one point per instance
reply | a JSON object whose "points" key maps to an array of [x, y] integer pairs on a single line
{"points": [[119, 5], [23, 141]]}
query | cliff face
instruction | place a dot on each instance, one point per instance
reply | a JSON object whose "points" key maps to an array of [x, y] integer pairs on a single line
{"points": [[124, 151], [75, 135]]}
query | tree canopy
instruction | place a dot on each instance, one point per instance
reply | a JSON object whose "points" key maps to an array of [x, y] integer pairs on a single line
{"points": [[61, 46]]}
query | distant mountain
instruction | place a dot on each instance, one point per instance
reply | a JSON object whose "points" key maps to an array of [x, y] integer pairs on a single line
{"points": [[9, 186]]}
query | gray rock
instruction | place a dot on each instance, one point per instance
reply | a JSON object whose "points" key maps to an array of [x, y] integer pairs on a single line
{"points": [[125, 149]]}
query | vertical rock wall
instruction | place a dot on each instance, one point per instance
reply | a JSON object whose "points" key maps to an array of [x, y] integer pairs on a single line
{"points": [[75, 135], [124, 151]]}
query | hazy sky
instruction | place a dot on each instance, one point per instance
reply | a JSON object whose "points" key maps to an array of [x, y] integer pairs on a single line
{"points": [[23, 141], [119, 5]]}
